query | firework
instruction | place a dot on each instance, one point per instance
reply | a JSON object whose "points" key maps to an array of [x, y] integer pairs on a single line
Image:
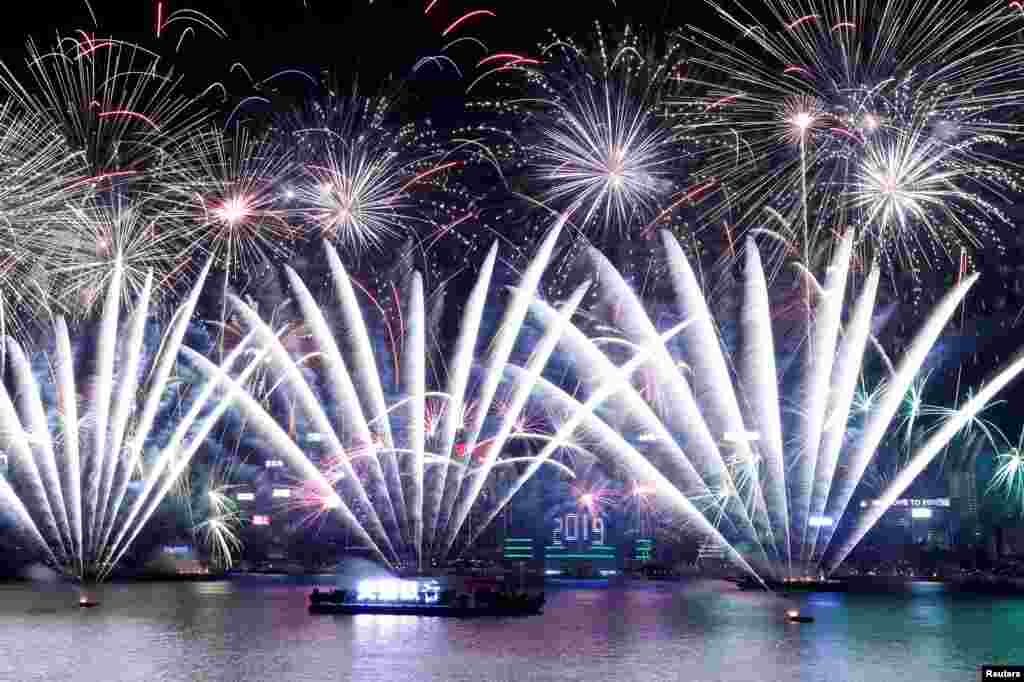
{"points": [[594, 498], [229, 193], [1008, 478], [916, 189], [405, 472], [213, 502], [69, 491], [836, 135], [220, 529], [713, 449], [599, 145], [93, 125], [110, 101], [38, 175], [85, 245], [889, 118], [367, 177], [220, 536], [356, 200]]}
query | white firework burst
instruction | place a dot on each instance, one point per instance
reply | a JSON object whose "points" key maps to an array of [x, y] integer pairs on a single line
{"points": [[227, 193]]}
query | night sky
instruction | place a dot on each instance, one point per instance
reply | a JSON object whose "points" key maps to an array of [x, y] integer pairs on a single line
{"points": [[364, 40]]}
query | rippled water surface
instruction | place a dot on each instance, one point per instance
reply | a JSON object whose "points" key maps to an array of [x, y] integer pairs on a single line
{"points": [[259, 629]]}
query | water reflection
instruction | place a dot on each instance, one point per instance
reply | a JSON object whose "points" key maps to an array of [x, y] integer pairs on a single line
{"points": [[260, 630]]}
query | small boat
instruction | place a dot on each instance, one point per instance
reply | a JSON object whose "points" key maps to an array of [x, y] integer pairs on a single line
{"points": [[84, 603], [793, 616]]}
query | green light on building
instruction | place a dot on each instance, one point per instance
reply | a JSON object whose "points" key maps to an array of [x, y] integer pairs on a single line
{"points": [[554, 552], [518, 549], [643, 549]]}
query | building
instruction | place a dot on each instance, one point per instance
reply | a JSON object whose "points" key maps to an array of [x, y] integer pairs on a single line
{"points": [[517, 550], [177, 559], [262, 506], [579, 545], [1012, 541], [963, 491], [710, 550], [643, 550], [916, 521]]}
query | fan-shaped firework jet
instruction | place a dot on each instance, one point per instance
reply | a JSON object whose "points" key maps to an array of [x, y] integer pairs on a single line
{"points": [[714, 446], [403, 462], [81, 485]]}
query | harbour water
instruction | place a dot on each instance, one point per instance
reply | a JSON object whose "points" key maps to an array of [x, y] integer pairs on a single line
{"points": [[258, 629]]}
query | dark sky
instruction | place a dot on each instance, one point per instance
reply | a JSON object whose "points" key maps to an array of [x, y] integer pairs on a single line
{"points": [[358, 37]]}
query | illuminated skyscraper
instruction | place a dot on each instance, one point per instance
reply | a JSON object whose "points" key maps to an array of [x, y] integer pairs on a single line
{"points": [[963, 489]]}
